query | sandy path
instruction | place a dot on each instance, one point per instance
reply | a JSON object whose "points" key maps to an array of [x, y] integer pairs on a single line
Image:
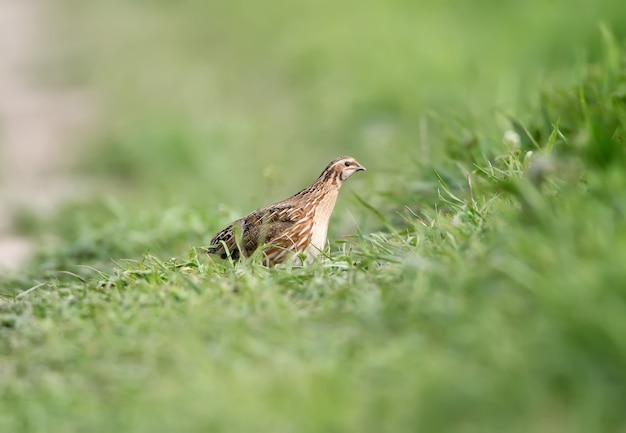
{"points": [[38, 126]]}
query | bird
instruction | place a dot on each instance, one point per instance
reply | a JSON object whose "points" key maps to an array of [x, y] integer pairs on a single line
{"points": [[296, 226]]}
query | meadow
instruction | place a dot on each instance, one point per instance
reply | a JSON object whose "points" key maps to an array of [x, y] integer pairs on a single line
{"points": [[475, 277]]}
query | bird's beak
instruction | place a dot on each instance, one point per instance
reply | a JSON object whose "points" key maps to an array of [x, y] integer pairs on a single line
{"points": [[360, 168]]}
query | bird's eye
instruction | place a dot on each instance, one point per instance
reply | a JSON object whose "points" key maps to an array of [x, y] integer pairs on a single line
{"points": [[347, 163]]}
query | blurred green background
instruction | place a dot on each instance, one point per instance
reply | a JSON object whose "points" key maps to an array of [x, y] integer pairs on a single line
{"points": [[229, 105], [206, 95]]}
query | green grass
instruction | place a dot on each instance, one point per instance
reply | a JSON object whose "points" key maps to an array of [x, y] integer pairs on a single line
{"points": [[472, 283]]}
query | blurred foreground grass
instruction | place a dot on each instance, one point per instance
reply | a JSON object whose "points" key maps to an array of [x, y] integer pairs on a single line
{"points": [[483, 289]]}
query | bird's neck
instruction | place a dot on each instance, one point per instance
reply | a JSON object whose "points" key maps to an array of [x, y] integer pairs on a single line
{"points": [[327, 202], [329, 178], [327, 184]]}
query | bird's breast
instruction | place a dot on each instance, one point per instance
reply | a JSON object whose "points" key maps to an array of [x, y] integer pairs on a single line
{"points": [[320, 221]]}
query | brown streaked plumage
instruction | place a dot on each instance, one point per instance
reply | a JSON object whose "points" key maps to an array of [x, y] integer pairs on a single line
{"points": [[297, 225]]}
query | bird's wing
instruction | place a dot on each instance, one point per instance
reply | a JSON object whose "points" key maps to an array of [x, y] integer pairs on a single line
{"points": [[291, 232], [283, 227]]}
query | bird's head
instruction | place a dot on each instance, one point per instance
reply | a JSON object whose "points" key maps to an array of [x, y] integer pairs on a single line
{"points": [[342, 168]]}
